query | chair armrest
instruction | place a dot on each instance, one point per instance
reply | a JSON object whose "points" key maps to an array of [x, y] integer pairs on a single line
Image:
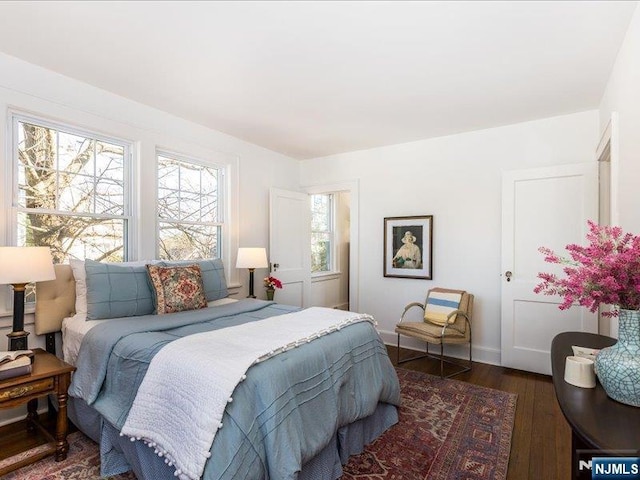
{"points": [[409, 307], [447, 323], [456, 313]]}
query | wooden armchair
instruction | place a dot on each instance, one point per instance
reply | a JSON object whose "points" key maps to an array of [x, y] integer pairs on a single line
{"points": [[447, 319]]}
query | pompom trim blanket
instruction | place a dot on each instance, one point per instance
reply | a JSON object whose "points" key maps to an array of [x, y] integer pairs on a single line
{"points": [[194, 378]]}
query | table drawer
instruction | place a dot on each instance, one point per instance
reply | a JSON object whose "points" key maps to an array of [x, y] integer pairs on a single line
{"points": [[17, 391]]}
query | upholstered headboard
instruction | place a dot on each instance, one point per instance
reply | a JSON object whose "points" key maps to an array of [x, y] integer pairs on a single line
{"points": [[56, 300]]}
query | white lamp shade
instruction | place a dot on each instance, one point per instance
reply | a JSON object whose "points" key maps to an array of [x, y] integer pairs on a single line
{"points": [[25, 265], [252, 258]]}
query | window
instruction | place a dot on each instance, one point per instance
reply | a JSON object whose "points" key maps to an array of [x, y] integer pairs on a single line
{"points": [[322, 233], [189, 209], [70, 191]]}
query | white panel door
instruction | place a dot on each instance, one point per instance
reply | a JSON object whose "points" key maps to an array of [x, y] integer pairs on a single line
{"points": [[290, 245], [541, 207]]}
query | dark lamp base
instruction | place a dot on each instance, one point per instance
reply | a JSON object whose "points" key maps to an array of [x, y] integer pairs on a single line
{"points": [[18, 340]]}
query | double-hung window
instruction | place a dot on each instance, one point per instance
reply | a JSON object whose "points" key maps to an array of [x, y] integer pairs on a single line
{"points": [[190, 211], [322, 233], [71, 190]]}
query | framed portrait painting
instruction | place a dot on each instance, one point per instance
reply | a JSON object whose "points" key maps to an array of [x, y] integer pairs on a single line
{"points": [[408, 247]]}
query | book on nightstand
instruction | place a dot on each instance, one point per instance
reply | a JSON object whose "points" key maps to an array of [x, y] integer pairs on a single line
{"points": [[10, 355], [14, 364]]}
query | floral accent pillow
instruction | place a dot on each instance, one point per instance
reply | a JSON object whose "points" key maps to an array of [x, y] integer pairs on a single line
{"points": [[177, 288]]}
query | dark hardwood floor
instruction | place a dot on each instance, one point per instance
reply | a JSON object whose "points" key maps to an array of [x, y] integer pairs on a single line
{"points": [[14, 438], [541, 442]]}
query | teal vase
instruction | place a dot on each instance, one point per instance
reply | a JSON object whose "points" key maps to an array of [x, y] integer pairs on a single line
{"points": [[618, 366]]}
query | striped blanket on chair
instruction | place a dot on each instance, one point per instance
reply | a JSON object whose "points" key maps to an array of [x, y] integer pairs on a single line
{"points": [[440, 303]]}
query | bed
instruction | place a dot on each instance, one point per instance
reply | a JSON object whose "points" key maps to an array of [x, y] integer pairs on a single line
{"points": [[145, 382]]}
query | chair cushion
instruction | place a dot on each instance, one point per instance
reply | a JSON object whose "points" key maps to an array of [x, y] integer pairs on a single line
{"points": [[431, 333]]}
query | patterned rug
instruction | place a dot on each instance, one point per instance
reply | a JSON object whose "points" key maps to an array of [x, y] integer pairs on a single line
{"points": [[447, 430]]}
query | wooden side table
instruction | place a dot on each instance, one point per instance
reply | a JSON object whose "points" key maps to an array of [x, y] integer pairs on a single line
{"points": [[49, 375]]}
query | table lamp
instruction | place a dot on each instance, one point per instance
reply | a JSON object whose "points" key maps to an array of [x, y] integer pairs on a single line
{"points": [[18, 267], [252, 258]]}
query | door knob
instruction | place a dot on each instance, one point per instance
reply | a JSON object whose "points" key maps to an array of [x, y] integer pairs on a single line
{"points": [[508, 274]]}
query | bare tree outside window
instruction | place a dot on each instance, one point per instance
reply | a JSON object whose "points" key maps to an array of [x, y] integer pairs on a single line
{"points": [[70, 193], [189, 219]]}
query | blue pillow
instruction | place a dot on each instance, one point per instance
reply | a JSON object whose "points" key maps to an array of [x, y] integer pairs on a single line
{"points": [[215, 284], [115, 291]]}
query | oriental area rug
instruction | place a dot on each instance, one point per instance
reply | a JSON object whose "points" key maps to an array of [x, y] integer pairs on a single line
{"points": [[448, 430]]}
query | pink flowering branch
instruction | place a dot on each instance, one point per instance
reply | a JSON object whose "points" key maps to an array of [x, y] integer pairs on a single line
{"points": [[606, 271]]}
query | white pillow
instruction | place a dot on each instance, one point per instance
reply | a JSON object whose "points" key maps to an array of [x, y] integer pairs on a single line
{"points": [[79, 273]]}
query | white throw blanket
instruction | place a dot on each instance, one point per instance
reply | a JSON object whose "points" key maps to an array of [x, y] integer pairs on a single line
{"points": [[194, 377]]}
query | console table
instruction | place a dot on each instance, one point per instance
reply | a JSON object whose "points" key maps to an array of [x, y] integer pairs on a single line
{"points": [[597, 422]]}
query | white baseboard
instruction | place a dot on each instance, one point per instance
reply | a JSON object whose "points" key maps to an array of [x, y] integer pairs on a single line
{"points": [[480, 354]]}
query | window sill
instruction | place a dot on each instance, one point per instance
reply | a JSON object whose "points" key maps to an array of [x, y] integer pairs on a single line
{"points": [[6, 318], [323, 277], [28, 309]]}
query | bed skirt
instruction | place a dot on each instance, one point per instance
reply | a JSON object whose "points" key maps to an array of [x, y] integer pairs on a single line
{"points": [[122, 455]]}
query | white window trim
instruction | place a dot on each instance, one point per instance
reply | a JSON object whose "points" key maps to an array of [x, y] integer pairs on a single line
{"points": [[229, 207], [353, 188], [323, 276], [141, 182], [222, 192], [11, 198], [334, 268], [232, 233]]}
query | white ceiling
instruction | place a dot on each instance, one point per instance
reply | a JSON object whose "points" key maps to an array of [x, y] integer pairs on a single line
{"points": [[310, 79]]}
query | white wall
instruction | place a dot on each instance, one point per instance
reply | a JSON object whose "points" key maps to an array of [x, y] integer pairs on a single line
{"points": [[457, 179], [622, 95], [31, 89]]}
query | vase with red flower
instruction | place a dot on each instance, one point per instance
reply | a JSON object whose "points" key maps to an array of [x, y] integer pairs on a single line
{"points": [[271, 283]]}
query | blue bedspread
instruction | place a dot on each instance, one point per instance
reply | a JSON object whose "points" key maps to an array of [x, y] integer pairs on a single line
{"points": [[287, 410]]}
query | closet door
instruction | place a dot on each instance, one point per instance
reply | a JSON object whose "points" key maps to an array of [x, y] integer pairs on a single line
{"points": [[541, 207]]}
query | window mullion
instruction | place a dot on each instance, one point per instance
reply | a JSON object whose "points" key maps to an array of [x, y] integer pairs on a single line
{"points": [[95, 176], [62, 213], [57, 170], [179, 192]]}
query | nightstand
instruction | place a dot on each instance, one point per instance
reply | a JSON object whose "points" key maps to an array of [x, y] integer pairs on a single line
{"points": [[49, 375]]}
